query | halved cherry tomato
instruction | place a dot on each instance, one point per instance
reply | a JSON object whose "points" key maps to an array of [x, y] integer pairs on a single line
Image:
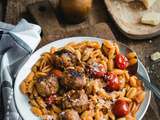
{"points": [[57, 73], [121, 61], [121, 108], [112, 81], [98, 70]]}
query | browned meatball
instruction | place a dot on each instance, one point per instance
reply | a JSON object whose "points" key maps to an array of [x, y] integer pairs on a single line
{"points": [[47, 86], [74, 78], [64, 58], [69, 114], [77, 100]]}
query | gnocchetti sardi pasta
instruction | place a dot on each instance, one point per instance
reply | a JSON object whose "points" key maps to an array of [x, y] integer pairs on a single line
{"points": [[84, 81]]}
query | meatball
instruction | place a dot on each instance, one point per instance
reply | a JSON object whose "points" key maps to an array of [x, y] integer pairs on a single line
{"points": [[47, 86], [74, 78], [69, 115], [77, 100], [64, 58]]}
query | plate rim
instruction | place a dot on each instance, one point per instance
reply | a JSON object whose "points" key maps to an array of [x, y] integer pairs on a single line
{"points": [[67, 40]]}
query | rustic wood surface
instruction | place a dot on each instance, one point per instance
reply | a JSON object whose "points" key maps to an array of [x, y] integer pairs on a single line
{"points": [[16, 9], [54, 29]]}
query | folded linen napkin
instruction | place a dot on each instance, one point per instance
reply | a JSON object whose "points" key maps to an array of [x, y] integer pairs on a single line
{"points": [[16, 45]]}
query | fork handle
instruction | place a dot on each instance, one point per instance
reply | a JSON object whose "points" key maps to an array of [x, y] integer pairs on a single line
{"points": [[152, 87]]}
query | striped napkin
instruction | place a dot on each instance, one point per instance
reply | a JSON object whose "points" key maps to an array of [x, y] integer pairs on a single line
{"points": [[16, 45]]}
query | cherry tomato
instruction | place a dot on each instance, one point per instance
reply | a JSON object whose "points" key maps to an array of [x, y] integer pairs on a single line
{"points": [[121, 108], [121, 61], [58, 73], [112, 81], [98, 70]]}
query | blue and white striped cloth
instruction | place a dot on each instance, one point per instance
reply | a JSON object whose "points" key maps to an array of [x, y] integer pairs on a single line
{"points": [[16, 45]]}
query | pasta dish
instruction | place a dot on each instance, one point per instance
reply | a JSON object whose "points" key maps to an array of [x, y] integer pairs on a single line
{"points": [[84, 81]]}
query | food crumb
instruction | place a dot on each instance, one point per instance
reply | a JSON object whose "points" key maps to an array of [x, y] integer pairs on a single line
{"points": [[155, 56], [150, 41]]}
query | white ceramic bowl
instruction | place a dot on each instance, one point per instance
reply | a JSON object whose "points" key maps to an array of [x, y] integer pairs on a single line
{"points": [[22, 101]]}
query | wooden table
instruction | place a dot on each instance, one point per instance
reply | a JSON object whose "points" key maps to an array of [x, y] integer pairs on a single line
{"points": [[16, 9]]}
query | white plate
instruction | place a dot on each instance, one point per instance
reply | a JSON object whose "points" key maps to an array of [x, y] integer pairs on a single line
{"points": [[22, 101]]}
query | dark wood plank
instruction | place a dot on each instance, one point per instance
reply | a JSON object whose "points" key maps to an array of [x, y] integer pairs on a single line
{"points": [[16, 9], [1, 13], [41, 11], [94, 31]]}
